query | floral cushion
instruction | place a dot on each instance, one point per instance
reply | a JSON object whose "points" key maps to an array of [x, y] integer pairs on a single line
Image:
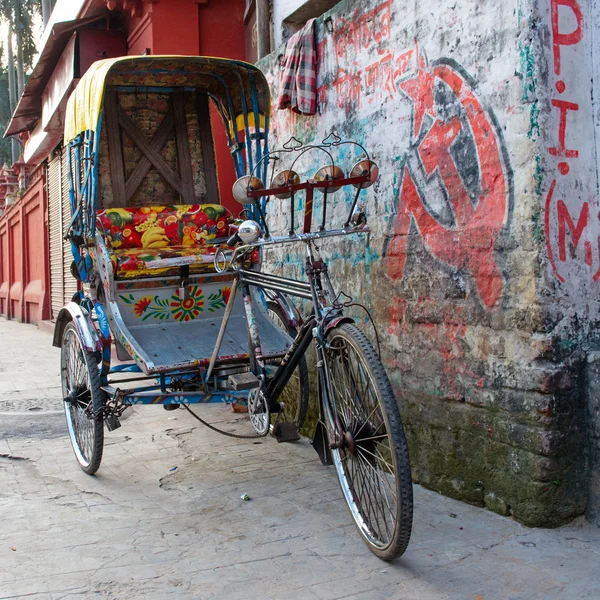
{"points": [[162, 226], [156, 240], [130, 263]]}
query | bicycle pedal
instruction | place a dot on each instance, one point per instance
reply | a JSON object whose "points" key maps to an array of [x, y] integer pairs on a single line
{"points": [[286, 432], [243, 381], [112, 423]]}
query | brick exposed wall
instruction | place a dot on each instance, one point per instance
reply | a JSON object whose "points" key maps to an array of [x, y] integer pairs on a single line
{"points": [[483, 289]]}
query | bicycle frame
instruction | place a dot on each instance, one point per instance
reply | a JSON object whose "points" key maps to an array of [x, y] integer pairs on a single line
{"points": [[326, 314]]}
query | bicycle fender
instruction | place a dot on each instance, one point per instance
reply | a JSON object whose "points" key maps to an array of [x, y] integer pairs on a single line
{"points": [[286, 305], [85, 327], [337, 321]]}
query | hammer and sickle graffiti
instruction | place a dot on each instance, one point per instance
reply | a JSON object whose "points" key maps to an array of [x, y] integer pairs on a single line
{"points": [[456, 180]]}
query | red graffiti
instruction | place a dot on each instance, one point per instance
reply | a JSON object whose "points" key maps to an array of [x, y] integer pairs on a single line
{"points": [[397, 316], [562, 151], [376, 82], [568, 229], [568, 220], [548, 233], [420, 90], [468, 243], [564, 221], [410, 321], [347, 88], [363, 31], [560, 38]]}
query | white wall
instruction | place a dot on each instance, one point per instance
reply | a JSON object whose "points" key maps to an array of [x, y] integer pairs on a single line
{"points": [[281, 10]]}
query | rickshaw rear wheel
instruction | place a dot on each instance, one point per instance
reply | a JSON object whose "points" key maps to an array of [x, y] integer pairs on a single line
{"points": [[295, 394], [83, 400]]}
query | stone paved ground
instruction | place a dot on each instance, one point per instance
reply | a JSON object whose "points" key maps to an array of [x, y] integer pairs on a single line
{"points": [[140, 529]]}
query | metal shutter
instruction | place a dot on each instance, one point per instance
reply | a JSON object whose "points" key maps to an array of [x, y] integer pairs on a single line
{"points": [[70, 283], [54, 188]]}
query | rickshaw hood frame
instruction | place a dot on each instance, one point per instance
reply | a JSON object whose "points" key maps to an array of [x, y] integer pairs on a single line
{"points": [[220, 77]]}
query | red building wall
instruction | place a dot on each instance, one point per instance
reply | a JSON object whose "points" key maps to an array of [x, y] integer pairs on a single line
{"points": [[24, 256]]}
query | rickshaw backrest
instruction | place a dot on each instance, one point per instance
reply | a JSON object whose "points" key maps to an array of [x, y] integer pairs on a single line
{"points": [[162, 226], [156, 143]]}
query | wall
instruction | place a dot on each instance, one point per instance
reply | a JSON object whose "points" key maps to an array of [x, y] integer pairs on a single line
{"points": [[483, 289], [23, 256]]}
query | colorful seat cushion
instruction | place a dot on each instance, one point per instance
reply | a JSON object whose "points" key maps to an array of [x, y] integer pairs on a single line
{"points": [[156, 240], [130, 263], [162, 226]]}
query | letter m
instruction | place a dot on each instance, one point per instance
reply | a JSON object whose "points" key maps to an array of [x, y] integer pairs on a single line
{"points": [[564, 221]]}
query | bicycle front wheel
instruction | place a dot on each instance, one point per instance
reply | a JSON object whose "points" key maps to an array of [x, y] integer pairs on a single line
{"points": [[368, 444]]}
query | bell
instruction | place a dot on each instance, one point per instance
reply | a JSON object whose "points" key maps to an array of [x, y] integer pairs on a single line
{"points": [[246, 184], [284, 179], [249, 232], [329, 173], [365, 167]]}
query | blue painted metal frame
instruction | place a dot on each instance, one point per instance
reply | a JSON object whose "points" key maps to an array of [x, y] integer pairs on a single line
{"points": [[150, 397]]}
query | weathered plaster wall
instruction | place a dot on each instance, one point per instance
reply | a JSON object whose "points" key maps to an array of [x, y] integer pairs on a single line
{"points": [[483, 289]]}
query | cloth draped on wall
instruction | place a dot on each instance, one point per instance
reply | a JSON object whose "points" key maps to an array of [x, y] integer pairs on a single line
{"points": [[298, 80]]}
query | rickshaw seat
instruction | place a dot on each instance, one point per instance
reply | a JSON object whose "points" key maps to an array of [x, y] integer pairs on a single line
{"points": [[144, 262], [156, 240]]}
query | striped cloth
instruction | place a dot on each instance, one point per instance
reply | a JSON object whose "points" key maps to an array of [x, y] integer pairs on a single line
{"points": [[298, 80]]}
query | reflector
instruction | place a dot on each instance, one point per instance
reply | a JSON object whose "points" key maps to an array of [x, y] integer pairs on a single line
{"points": [[365, 167], [330, 172], [244, 185], [283, 179]]}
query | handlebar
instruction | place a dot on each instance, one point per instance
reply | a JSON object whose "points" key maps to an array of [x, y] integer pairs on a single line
{"points": [[234, 240]]}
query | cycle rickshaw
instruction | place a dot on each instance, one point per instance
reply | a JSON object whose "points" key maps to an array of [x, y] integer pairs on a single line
{"points": [[174, 286]]}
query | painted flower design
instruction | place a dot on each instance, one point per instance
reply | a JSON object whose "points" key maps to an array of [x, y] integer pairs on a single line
{"points": [[226, 292], [188, 308], [141, 305]]}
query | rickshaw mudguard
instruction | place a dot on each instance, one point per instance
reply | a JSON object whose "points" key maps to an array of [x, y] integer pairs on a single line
{"points": [[335, 322], [287, 306], [72, 312]]}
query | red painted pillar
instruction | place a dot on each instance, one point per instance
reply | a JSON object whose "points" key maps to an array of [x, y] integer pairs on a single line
{"points": [[221, 33], [24, 262]]}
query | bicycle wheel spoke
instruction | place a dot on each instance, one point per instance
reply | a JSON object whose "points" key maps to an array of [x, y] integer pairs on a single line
{"points": [[373, 437], [367, 420], [375, 483], [378, 458], [379, 483], [384, 480], [371, 498]]}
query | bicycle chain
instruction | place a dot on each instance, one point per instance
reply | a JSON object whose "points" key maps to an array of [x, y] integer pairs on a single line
{"points": [[227, 433]]}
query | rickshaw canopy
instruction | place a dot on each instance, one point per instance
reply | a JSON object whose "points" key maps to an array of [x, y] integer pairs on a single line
{"points": [[239, 89]]}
